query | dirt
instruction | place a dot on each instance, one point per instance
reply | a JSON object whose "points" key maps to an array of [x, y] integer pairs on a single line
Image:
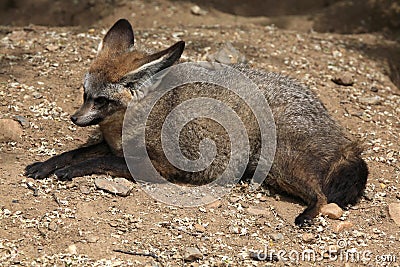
{"points": [[55, 223]]}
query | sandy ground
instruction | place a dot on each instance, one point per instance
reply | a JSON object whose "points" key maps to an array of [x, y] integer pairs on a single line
{"points": [[74, 224]]}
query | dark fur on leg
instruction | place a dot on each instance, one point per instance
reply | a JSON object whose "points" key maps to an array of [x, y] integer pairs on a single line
{"points": [[112, 165], [40, 170]]}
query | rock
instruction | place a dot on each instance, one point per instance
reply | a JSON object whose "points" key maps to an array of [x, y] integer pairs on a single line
{"points": [[72, 249], [345, 79], [22, 120], [258, 211], [234, 199], [215, 204], [276, 237], [119, 186], [192, 254], [374, 89], [308, 237], [263, 198], [373, 100], [10, 130], [198, 11], [332, 210], [52, 47], [53, 226], [92, 239], [369, 196], [199, 228], [341, 226], [84, 189], [394, 212], [37, 95], [227, 55]]}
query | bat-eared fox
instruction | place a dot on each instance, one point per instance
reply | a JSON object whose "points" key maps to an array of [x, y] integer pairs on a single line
{"points": [[315, 159]]}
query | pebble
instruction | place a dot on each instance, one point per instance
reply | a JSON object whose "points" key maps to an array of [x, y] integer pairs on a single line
{"points": [[374, 89], [394, 212], [308, 237], [72, 249], [234, 199], [373, 100], [276, 236], [10, 130], [198, 11], [22, 120], [332, 210], [345, 79], [37, 95], [84, 189], [369, 196], [92, 239], [192, 254], [258, 211], [199, 228], [341, 226], [119, 186], [215, 204], [227, 55], [53, 226]]}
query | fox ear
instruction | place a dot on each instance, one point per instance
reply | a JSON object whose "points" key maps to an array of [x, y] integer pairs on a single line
{"points": [[119, 38], [160, 60]]}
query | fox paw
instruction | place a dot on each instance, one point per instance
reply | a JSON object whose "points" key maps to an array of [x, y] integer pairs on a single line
{"points": [[303, 220], [38, 170], [64, 174]]}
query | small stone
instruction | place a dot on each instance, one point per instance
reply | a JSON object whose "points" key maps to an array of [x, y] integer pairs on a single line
{"points": [[199, 228], [227, 55], [341, 226], [53, 226], [52, 47], [369, 196], [119, 186], [215, 204], [258, 211], [276, 236], [198, 11], [10, 130], [92, 239], [374, 89], [332, 210], [84, 189], [37, 95], [22, 120], [394, 212], [308, 237], [192, 254], [373, 100], [345, 79], [72, 249], [234, 199], [263, 198]]}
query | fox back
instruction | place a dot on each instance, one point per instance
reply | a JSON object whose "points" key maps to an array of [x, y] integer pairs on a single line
{"points": [[315, 158]]}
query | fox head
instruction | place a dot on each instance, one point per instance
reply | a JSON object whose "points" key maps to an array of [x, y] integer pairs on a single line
{"points": [[115, 77]]}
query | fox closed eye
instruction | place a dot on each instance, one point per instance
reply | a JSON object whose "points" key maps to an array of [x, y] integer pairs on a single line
{"points": [[100, 101]]}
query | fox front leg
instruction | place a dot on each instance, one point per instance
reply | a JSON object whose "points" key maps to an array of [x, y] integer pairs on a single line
{"points": [[112, 165], [40, 170]]}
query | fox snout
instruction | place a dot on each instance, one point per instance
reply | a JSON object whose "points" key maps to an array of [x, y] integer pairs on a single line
{"points": [[87, 115]]}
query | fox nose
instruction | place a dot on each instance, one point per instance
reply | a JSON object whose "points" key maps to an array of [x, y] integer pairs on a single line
{"points": [[74, 118]]}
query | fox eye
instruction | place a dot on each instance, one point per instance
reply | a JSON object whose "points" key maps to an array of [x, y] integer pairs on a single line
{"points": [[101, 100]]}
